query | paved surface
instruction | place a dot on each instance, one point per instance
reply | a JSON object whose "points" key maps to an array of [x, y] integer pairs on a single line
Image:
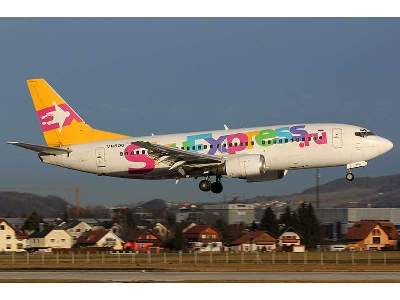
{"points": [[126, 276]]}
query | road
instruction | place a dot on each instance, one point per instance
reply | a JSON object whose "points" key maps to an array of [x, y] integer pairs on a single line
{"points": [[130, 276]]}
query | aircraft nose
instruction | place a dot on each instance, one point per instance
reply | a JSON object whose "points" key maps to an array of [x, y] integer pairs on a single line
{"points": [[385, 145]]}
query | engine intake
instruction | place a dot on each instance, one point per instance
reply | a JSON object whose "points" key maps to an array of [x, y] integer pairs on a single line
{"points": [[245, 166]]}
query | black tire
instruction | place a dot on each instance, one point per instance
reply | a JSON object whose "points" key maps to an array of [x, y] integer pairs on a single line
{"points": [[205, 185], [349, 176], [217, 187]]}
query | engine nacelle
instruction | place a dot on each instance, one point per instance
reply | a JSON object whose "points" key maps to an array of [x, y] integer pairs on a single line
{"points": [[245, 166], [271, 175]]}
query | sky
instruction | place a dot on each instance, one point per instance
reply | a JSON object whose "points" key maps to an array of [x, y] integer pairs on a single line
{"points": [[143, 76]]}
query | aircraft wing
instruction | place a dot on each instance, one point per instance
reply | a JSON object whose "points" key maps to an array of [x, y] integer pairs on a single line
{"points": [[178, 157], [41, 149]]}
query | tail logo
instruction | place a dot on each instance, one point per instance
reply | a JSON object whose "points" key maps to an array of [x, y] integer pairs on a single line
{"points": [[57, 117]]}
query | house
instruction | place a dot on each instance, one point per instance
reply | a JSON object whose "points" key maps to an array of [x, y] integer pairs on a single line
{"points": [[75, 228], [202, 238], [288, 239], [254, 241], [143, 241], [161, 231], [100, 238], [8, 238], [53, 238], [372, 235]]}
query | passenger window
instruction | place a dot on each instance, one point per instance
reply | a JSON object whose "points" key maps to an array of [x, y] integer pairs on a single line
{"points": [[247, 143], [286, 140], [252, 143], [269, 142], [205, 146], [263, 142], [199, 147], [187, 148], [121, 153], [143, 151], [236, 144], [182, 148], [211, 146], [193, 147], [230, 144], [137, 152], [224, 146], [309, 138], [303, 139]]}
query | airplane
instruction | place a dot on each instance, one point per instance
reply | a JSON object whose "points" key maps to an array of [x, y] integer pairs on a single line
{"points": [[252, 154]]}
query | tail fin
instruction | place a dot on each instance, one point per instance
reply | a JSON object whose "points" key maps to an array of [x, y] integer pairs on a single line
{"points": [[60, 124]]}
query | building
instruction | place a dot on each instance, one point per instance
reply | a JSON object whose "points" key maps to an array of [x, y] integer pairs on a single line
{"points": [[190, 214], [50, 239], [100, 238], [161, 231], [254, 241], [289, 239], [9, 240], [202, 238], [75, 228], [143, 241], [231, 213], [372, 235], [336, 221]]}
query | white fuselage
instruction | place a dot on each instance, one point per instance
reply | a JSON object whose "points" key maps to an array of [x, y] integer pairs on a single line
{"points": [[284, 147]]}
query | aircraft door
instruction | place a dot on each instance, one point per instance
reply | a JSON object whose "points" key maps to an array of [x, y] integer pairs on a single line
{"points": [[337, 138], [100, 157]]}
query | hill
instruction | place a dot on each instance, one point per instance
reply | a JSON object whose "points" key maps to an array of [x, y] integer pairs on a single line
{"points": [[14, 204], [383, 191]]}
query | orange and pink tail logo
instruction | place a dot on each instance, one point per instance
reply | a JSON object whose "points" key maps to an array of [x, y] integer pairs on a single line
{"points": [[60, 124]]}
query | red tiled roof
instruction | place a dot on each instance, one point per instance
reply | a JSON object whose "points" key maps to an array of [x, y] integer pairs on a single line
{"points": [[92, 236], [360, 230], [197, 229], [257, 237], [134, 236]]}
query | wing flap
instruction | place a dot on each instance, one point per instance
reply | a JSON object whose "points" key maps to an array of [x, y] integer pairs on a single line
{"points": [[41, 149], [173, 154]]}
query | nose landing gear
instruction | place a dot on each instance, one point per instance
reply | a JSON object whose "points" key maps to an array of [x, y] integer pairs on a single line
{"points": [[349, 176], [216, 187]]}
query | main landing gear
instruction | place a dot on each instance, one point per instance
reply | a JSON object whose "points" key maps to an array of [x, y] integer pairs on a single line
{"points": [[216, 187]]}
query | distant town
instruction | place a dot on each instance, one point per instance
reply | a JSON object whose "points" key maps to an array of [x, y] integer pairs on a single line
{"points": [[157, 226]]}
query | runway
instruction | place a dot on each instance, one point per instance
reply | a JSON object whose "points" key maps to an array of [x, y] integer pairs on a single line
{"points": [[126, 276]]}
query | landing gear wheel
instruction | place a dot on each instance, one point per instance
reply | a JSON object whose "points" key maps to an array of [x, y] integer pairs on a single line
{"points": [[350, 176], [217, 187], [205, 185]]}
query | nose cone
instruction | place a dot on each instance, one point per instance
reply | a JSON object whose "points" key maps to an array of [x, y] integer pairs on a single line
{"points": [[385, 145]]}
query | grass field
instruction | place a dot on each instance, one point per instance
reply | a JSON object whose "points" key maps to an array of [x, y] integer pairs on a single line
{"points": [[279, 261]]}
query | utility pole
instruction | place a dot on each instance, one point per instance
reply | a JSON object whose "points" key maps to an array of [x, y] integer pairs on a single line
{"points": [[77, 202], [317, 187]]}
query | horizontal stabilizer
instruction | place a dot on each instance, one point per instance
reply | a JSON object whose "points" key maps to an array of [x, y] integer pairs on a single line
{"points": [[41, 149]]}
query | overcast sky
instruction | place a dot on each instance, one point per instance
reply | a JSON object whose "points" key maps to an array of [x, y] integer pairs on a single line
{"points": [[139, 76]]}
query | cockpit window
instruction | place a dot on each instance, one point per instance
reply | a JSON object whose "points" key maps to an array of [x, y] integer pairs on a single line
{"points": [[364, 133]]}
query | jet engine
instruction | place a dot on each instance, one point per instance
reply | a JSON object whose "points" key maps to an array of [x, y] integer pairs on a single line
{"points": [[270, 175], [245, 166]]}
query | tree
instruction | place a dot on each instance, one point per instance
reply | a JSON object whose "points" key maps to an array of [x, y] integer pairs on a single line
{"points": [[269, 222], [254, 226], [222, 227], [177, 242], [308, 225], [288, 218], [32, 222]]}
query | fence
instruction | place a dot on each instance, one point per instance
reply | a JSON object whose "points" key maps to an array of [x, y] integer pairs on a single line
{"points": [[220, 258]]}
